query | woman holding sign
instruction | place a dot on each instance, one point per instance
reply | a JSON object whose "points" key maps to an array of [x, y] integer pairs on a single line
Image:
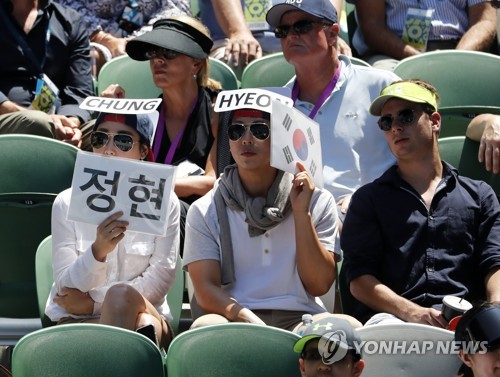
{"points": [[177, 49], [106, 274]]}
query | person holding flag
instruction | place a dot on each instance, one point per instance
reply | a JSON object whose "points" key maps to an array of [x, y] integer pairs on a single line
{"points": [[260, 245]]}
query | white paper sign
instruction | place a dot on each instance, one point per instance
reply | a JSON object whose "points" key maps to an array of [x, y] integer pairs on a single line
{"points": [[120, 105], [295, 137], [103, 186], [258, 99]]}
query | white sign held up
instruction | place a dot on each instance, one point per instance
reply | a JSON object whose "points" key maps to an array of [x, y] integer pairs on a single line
{"points": [[120, 105], [295, 138], [103, 186], [259, 99]]}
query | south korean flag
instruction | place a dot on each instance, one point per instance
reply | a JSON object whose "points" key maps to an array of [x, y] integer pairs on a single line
{"points": [[295, 138]]}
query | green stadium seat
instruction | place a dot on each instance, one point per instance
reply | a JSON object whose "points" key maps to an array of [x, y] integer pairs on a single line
{"points": [[233, 349], [83, 349]]}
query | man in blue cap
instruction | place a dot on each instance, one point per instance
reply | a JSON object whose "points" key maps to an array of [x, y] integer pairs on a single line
{"points": [[335, 93], [330, 347]]}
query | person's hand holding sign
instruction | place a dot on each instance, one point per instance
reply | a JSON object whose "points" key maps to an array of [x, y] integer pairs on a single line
{"points": [[109, 233], [302, 190]]}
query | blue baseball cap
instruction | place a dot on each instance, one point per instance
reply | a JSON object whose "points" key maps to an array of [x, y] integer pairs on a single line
{"points": [[319, 8], [142, 123]]}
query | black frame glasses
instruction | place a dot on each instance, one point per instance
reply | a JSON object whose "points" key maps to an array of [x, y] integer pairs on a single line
{"points": [[404, 117], [124, 142], [259, 130], [162, 53], [299, 28]]}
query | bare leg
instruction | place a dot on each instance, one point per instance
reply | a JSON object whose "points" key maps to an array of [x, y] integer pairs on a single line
{"points": [[125, 307]]}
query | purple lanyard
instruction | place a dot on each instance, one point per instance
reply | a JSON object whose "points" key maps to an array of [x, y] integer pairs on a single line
{"points": [[326, 93], [176, 141]]}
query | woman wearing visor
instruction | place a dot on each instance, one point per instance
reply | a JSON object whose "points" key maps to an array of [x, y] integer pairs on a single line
{"points": [[177, 49]]}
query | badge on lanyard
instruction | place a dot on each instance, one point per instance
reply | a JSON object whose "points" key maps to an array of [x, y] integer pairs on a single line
{"points": [[255, 14], [46, 95], [417, 27], [131, 20]]}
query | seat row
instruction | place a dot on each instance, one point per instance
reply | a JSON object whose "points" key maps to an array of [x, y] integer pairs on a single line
{"points": [[231, 349]]}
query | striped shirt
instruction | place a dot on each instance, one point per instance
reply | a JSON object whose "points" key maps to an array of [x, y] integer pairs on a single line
{"points": [[450, 19]]}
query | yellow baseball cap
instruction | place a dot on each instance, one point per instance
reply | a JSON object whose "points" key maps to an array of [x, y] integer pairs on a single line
{"points": [[404, 90]]}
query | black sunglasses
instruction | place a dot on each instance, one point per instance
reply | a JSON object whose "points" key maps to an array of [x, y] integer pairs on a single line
{"points": [[123, 142], [404, 117], [258, 129], [300, 27], [162, 53]]}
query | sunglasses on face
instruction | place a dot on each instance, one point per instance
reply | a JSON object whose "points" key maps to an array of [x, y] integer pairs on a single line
{"points": [[298, 28], [162, 53], [123, 142], [259, 130], [404, 117]]}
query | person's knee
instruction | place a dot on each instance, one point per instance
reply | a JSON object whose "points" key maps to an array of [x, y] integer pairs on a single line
{"points": [[208, 320], [123, 297]]}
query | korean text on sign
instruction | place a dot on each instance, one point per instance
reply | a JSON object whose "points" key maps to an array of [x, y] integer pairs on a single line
{"points": [[105, 185]]}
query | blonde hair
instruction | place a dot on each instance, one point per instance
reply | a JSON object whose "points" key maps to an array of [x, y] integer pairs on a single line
{"points": [[202, 78]]}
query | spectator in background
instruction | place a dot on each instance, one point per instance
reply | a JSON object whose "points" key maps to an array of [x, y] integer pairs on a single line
{"points": [[43, 43], [111, 23], [335, 93], [389, 30], [241, 34], [420, 231], [485, 128], [177, 49]]}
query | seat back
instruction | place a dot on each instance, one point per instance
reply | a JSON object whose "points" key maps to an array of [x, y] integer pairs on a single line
{"points": [[24, 222], [221, 72], [455, 119], [81, 350], [132, 75], [462, 78], [432, 353], [273, 71], [136, 78], [462, 152], [175, 296], [233, 349], [268, 71], [34, 170], [44, 277], [35, 164]]}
